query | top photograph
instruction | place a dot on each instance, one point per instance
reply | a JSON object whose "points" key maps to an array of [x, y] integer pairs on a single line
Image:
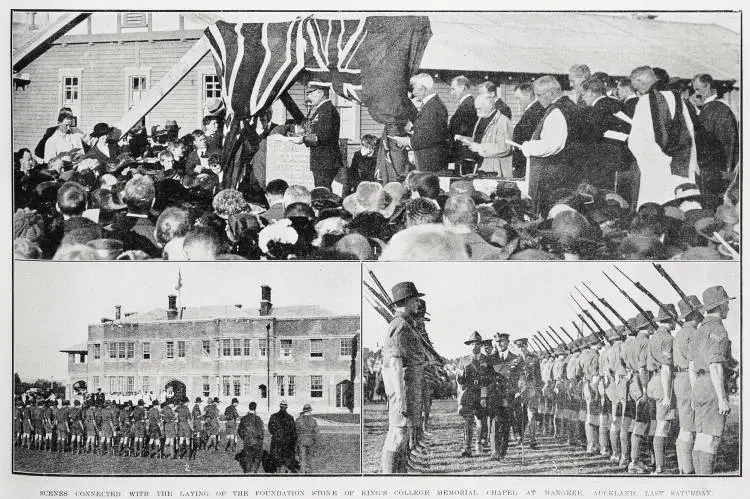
{"points": [[399, 136]]}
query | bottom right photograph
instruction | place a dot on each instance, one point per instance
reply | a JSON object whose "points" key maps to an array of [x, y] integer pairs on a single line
{"points": [[549, 368]]}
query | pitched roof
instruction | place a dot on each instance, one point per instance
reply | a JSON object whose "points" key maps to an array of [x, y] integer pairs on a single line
{"points": [[79, 347], [519, 42], [230, 312]]}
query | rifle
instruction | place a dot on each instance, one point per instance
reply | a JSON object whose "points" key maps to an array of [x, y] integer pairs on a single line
{"points": [[580, 331], [541, 335], [383, 292], [594, 306], [559, 339], [566, 334], [540, 344], [632, 302], [680, 292], [611, 309], [590, 316], [648, 293]]}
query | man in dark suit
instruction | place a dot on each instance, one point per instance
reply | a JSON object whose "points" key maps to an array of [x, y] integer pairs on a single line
{"points": [[429, 139], [533, 112], [135, 229], [322, 136], [473, 378], [463, 120], [627, 96], [607, 133]]}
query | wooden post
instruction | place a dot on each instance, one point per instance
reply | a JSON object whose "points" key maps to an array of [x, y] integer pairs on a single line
{"points": [[165, 85], [292, 107], [40, 43]]}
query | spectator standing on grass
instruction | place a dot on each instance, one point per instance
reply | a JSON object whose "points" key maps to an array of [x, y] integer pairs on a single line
{"points": [[283, 438], [307, 438], [251, 431]]}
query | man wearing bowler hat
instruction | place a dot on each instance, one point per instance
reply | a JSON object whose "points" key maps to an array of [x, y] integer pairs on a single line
{"points": [[403, 365], [711, 353], [682, 353], [473, 378], [322, 136]]}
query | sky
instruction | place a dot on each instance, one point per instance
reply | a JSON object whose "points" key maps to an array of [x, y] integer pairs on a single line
{"points": [[520, 298], [54, 302]]}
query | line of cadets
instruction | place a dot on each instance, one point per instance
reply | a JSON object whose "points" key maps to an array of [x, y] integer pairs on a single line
{"points": [[618, 396], [172, 430]]}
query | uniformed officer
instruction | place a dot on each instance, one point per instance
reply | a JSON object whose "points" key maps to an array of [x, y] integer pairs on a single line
{"points": [[403, 361], [232, 417], [139, 427], [184, 427], [659, 364], [484, 415], [154, 429], [712, 350], [682, 351], [506, 368], [307, 438], [212, 423], [529, 388], [251, 430], [472, 378], [636, 356]]}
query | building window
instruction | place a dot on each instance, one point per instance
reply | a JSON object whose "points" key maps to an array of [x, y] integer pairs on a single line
{"points": [[130, 384], [345, 347], [246, 386], [349, 111], [280, 385], [181, 349], [207, 347], [290, 386], [286, 348], [146, 350], [112, 384], [146, 383], [206, 386], [236, 386], [316, 348], [71, 91], [95, 384], [137, 88], [121, 350], [226, 348], [246, 347], [263, 347], [97, 351], [316, 387], [226, 386], [134, 20], [131, 350], [112, 350], [211, 87], [236, 347], [170, 349]]}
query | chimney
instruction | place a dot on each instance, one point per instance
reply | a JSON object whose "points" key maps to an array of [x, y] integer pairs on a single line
{"points": [[265, 300], [238, 305], [118, 311], [172, 308]]}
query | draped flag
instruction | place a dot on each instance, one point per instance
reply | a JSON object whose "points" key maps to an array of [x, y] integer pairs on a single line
{"points": [[369, 60]]}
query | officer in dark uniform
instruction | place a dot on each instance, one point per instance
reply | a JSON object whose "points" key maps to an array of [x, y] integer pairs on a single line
{"points": [[507, 369], [184, 428], [212, 424], [232, 416], [198, 433], [473, 378]]}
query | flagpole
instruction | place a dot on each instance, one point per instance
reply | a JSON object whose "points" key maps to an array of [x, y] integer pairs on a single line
{"points": [[179, 291]]}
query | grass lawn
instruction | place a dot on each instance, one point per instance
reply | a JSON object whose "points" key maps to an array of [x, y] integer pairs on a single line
{"points": [[445, 444], [337, 453]]}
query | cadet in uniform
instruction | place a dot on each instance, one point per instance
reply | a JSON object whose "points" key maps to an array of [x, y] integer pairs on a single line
{"points": [[76, 427], [712, 350], [184, 428], [547, 400], [139, 427], [307, 438], [403, 358], [660, 360], [170, 427], [62, 426], [506, 369], [47, 424], [530, 389], [473, 380], [682, 349], [108, 415], [126, 428], [212, 423], [198, 438], [571, 400], [558, 378], [588, 363], [637, 354], [251, 430], [154, 429], [232, 417], [623, 374], [36, 423]]}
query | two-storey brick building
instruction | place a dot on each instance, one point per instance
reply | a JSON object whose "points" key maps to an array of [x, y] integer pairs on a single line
{"points": [[301, 354]]}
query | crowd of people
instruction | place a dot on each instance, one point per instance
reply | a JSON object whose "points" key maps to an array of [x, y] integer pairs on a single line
{"points": [[168, 430], [99, 196], [624, 394]]}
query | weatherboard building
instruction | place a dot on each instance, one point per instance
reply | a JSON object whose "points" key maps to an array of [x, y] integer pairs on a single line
{"points": [[302, 354]]}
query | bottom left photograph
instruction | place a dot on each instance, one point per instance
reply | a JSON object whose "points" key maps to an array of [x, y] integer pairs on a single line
{"points": [[161, 369]]}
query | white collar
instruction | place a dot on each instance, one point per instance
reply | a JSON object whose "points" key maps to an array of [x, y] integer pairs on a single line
{"points": [[136, 215], [321, 103], [597, 100], [428, 98], [466, 96], [530, 104], [712, 98]]}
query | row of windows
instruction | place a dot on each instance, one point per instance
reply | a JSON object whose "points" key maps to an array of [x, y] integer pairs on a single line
{"points": [[231, 386], [236, 347]]}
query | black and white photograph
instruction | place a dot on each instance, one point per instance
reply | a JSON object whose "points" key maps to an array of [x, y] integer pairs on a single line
{"points": [[551, 369], [212, 369], [352, 135]]}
